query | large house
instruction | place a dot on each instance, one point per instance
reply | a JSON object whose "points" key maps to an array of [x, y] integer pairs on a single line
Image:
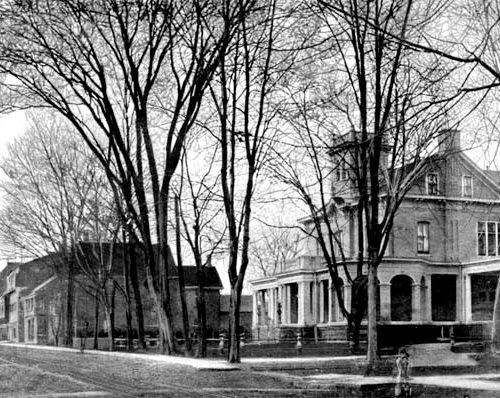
{"points": [[440, 268]]}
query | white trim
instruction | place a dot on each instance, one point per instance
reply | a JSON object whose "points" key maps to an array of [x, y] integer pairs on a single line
{"points": [[481, 268], [36, 289], [452, 199]]}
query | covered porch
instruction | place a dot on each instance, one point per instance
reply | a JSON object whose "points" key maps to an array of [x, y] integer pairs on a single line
{"points": [[479, 289]]}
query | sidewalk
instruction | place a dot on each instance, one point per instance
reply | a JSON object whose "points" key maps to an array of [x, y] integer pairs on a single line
{"points": [[196, 363], [486, 382], [438, 355], [424, 356], [203, 363]]}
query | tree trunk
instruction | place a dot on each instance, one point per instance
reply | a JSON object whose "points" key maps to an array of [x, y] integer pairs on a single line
{"points": [[96, 321], [234, 325], [372, 351], [495, 327], [354, 329], [128, 307], [164, 322], [202, 319], [167, 342], [130, 337], [68, 338], [202, 309], [112, 317], [358, 308], [107, 312], [134, 281], [185, 317]]}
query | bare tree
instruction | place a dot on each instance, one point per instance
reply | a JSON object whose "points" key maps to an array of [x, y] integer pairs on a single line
{"points": [[47, 195], [277, 244], [242, 91], [113, 62], [472, 42], [390, 110], [200, 210]]}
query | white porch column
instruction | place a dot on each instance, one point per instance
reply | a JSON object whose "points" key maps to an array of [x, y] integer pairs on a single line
{"points": [[347, 296], [303, 303], [321, 302], [416, 301], [284, 309], [467, 298], [428, 301], [314, 314], [337, 314], [269, 303], [280, 305], [385, 301], [255, 315], [458, 298], [274, 291], [287, 304], [330, 301], [269, 306]]}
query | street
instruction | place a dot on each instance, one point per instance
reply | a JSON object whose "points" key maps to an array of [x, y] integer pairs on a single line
{"points": [[31, 372]]}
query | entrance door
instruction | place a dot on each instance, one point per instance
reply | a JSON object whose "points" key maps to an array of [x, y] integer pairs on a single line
{"points": [[444, 297]]}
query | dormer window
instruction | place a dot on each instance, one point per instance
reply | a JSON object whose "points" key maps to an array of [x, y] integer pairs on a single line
{"points": [[467, 187], [342, 173], [432, 184], [345, 173]]}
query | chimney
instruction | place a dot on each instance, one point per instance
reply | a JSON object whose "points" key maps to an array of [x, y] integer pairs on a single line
{"points": [[208, 262], [449, 142]]}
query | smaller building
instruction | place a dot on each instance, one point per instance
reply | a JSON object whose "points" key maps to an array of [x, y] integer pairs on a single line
{"points": [[245, 313], [33, 301], [16, 281]]}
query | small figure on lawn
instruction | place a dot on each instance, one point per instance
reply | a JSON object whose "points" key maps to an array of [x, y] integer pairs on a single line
{"points": [[403, 365], [403, 388]]}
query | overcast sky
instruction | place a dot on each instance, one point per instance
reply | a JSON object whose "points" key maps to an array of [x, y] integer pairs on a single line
{"points": [[11, 125], [15, 124]]}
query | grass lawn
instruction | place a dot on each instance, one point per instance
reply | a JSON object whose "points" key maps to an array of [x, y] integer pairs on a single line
{"points": [[15, 379]]}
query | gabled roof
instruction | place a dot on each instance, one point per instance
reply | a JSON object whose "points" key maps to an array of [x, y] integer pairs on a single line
{"points": [[41, 286], [31, 273], [488, 176], [494, 175]]}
